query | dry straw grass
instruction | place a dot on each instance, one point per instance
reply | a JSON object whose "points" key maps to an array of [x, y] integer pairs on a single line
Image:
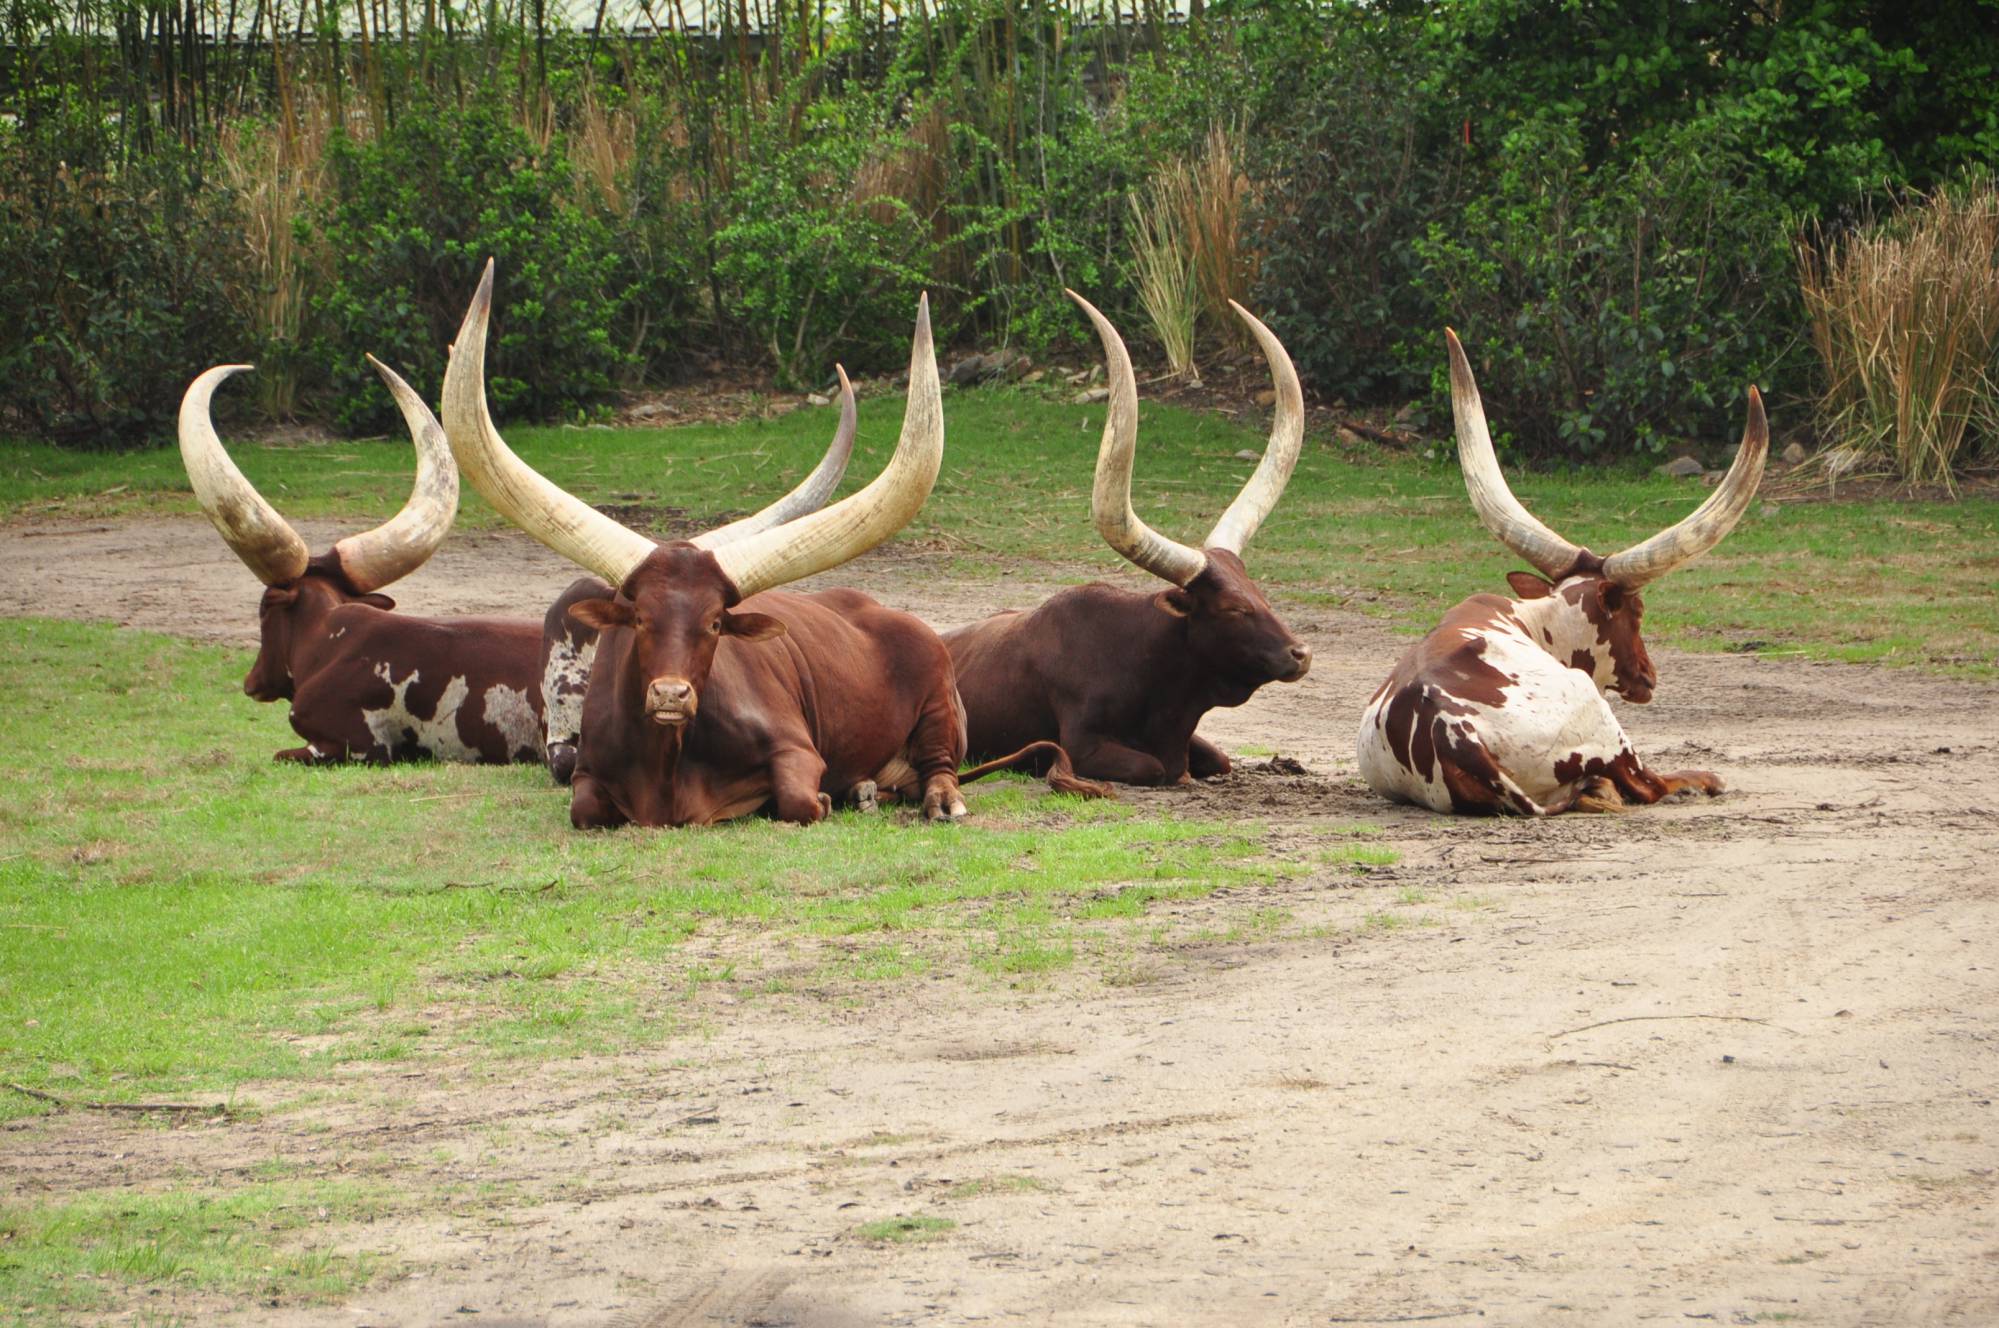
{"points": [[278, 171], [1905, 318], [1189, 224]]}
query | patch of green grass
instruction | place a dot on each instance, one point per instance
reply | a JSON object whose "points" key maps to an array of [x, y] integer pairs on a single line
{"points": [[250, 1240], [1409, 894], [1390, 535], [972, 1189], [178, 912], [914, 1229], [1361, 855]]}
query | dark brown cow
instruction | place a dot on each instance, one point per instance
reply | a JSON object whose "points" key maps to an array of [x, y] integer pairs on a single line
{"points": [[1502, 708], [713, 694], [365, 683], [1121, 679]]}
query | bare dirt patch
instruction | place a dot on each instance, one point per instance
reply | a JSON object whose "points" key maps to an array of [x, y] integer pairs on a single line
{"points": [[1724, 1061]]}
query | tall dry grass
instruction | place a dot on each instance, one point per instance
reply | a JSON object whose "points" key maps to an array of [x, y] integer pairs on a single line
{"points": [[278, 172], [1218, 203], [1165, 264], [1905, 318]]}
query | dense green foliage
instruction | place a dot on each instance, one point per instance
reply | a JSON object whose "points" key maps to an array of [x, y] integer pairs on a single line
{"points": [[1604, 196]]}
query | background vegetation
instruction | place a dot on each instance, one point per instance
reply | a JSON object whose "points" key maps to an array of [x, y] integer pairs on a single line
{"points": [[1608, 198]]}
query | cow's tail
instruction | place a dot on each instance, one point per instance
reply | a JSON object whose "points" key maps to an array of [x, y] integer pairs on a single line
{"points": [[1062, 776]]}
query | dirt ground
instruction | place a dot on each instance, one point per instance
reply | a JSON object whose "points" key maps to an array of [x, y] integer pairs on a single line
{"points": [[1728, 1061]]}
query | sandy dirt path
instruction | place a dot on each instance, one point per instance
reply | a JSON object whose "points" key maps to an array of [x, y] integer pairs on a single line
{"points": [[1725, 1062]]}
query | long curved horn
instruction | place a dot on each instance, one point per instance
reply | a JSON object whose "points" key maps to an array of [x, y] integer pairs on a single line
{"points": [[571, 527], [1510, 523], [250, 526], [858, 522], [1110, 500], [1710, 522], [1280, 455], [406, 540], [811, 493]]}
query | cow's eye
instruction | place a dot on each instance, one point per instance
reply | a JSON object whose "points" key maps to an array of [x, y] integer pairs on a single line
{"points": [[715, 627]]}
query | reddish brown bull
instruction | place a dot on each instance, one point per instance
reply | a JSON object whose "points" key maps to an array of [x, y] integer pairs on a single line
{"points": [[365, 683], [713, 694], [1122, 679], [1503, 709]]}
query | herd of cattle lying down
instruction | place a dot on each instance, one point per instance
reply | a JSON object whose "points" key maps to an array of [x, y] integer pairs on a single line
{"points": [[680, 684]]}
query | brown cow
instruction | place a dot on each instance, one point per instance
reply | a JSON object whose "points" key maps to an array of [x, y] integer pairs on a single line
{"points": [[365, 683], [713, 694], [1121, 679], [1502, 708]]}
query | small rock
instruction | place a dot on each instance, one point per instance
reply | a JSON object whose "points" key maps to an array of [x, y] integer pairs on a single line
{"points": [[1267, 397], [1680, 468], [652, 410], [1078, 378], [1036, 376], [1090, 396], [967, 371], [814, 399], [1247, 455], [1794, 454]]}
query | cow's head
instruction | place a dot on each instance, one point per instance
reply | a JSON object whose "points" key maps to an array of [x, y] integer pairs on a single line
{"points": [[679, 599], [1232, 630], [1585, 609], [297, 586], [679, 605]]}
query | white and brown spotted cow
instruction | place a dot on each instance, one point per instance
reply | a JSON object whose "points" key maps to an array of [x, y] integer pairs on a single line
{"points": [[1503, 709]]}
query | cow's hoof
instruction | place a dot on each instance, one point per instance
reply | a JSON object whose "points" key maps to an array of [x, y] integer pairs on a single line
{"points": [[943, 813], [863, 796], [825, 805]]}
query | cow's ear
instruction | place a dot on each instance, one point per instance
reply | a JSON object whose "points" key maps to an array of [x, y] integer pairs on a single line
{"points": [[1175, 601], [278, 597], [1528, 586], [374, 600], [1612, 596], [601, 613], [752, 626]]}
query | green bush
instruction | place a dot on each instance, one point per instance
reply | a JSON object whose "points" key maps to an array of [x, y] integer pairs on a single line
{"points": [[416, 214], [1616, 309], [113, 301]]}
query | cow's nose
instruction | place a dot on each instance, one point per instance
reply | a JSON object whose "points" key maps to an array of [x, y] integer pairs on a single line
{"points": [[1301, 655], [670, 697]]}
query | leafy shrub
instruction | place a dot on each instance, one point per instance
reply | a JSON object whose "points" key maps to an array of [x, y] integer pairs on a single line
{"points": [[1611, 310], [417, 212], [113, 303]]}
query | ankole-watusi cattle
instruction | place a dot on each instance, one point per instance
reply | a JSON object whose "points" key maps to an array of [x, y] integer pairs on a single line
{"points": [[1502, 708], [569, 646], [713, 694], [1121, 679], [365, 683]]}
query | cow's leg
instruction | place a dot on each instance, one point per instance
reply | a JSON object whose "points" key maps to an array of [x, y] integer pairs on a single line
{"points": [[590, 807], [313, 754], [794, 784], [1098, 757], [1204, 759], [1637, 784]]}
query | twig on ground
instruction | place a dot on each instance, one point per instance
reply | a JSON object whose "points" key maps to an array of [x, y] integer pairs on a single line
{"points": [[137, 1108], [1642, 1018]]}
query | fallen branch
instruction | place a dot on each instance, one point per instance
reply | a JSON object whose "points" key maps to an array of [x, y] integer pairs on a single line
{"points": [[1643, 1018], [137, 1108]]}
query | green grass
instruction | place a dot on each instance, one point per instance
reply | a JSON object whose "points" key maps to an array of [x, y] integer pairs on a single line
{"points": [[251, 1240], [906, 1230], [1388, 535], [180, 914]]}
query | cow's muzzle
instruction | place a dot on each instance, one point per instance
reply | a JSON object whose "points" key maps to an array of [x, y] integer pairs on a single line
{"points": [[671, 701], [1300, 655]]}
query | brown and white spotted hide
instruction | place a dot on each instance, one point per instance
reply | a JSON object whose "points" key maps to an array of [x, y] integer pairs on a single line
{"points": [[568, 651], [1503, 708], [368, 684]]}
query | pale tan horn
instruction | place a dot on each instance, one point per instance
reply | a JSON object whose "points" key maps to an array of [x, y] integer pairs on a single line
{"points": [[1280, 455], [404, 542], [248, 525], [1110, 500], [811, 493], [1510, 523], [571, 527], [1710, 522], [858, 522]]}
